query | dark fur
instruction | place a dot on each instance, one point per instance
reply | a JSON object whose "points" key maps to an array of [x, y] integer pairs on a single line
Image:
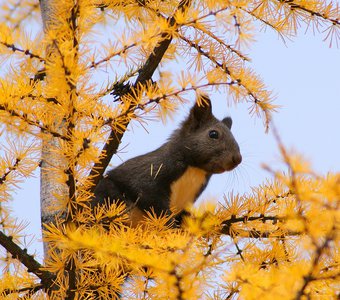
{"points": [[190, 145]]}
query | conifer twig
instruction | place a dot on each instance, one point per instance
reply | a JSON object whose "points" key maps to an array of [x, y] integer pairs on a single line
{"points": [[29, 290], [26, 259], [297, 6], [315, 262], [27, 52], [42, 127]]}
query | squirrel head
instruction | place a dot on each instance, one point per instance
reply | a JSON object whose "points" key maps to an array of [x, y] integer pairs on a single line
{"points": [[207, 143]]}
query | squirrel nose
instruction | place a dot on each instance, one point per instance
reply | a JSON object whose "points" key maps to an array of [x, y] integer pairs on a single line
{"points": [[237, 158]]}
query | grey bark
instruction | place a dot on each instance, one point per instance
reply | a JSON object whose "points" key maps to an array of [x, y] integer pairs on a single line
{"points": [[49, 187]]}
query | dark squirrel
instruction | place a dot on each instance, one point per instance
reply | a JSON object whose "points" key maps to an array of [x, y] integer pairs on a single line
{"points": [[173, 176]]}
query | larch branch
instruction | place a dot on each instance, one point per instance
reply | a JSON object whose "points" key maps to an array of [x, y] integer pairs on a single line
{"points": [[24, 51], [26, 259], [145, 74], [30, 290], [297, 6], [43, 128]]}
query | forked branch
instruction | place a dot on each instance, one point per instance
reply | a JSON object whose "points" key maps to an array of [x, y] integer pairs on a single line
{"points": [[145, 74]]}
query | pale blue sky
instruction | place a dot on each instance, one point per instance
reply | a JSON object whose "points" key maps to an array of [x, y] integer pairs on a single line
{"points": [[304, 75]]}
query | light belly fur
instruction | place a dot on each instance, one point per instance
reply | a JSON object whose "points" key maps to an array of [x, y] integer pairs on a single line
{"points": [[185, 189]]}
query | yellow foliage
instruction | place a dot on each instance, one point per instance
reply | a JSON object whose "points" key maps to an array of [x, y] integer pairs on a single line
{"points": [[80, 86]]}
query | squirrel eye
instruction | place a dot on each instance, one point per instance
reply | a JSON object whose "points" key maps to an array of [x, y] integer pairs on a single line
{"points": [[213, 134]]}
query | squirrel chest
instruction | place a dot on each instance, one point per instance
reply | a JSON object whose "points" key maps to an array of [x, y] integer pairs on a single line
{"points": [[186, 188], [183, 193]]}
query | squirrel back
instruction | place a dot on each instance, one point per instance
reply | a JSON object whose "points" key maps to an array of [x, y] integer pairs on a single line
{"points": [[172, 177]]}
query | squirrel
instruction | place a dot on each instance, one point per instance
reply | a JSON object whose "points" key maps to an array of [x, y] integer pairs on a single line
{"points": [[170, 178]]}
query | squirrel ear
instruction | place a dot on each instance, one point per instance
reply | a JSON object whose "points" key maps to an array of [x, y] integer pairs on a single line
{"points": [[201, 111], [199, 114], [228, 121]]}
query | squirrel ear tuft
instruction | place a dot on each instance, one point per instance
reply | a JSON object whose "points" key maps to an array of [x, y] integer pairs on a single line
{"points": [[228, 121]]}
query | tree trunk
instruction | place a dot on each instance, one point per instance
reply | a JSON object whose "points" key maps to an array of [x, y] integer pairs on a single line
{"points": [[49, 187]]}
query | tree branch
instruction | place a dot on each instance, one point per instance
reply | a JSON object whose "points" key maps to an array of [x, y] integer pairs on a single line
{"points": [[26, 259], [323, 15], [254, 233], [24, 51], [30, 290], [316, 260], [10, 169], [158, 99], [43, 128], [145, 74], [227, 223]]}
